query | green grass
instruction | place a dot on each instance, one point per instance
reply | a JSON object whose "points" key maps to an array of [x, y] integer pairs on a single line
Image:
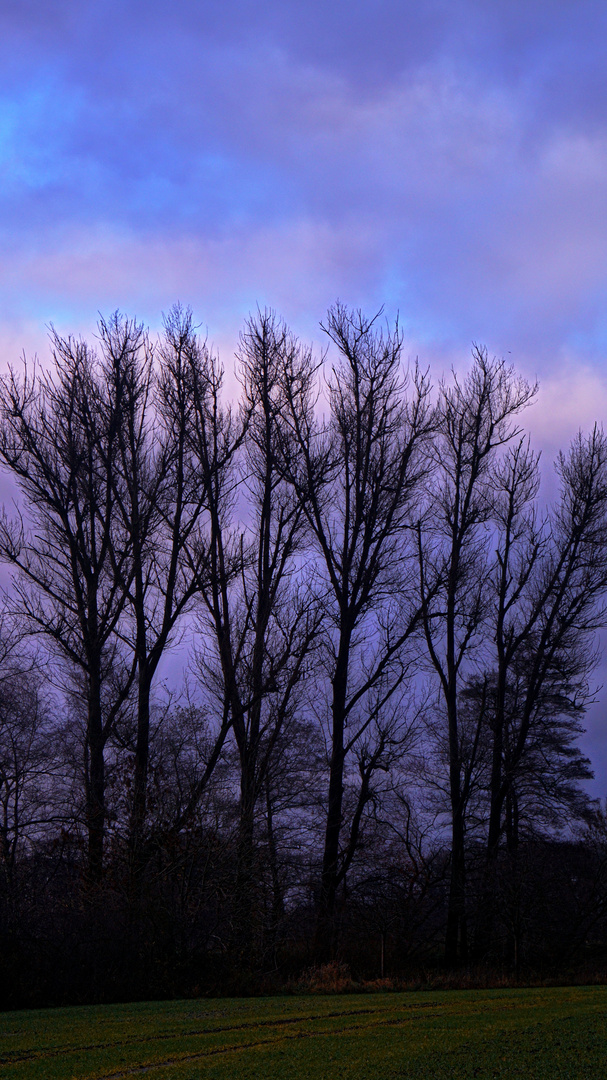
{"points": [[559, 1034]]}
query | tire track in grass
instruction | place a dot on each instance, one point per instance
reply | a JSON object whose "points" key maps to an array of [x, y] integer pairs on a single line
{"points": [[185, 1059], [18, 1057], [216, 1051], [138, 1070]]}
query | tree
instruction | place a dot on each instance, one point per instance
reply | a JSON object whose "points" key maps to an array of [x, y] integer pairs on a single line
{"points": [[158, 503], [60, 439], [548, 584], [475, 422], [359, 481], [261, 619], [29, 761]]}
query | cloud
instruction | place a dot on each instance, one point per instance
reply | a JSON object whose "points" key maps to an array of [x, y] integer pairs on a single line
{"points": [[418, 154], [298, 270], [571, 398]]}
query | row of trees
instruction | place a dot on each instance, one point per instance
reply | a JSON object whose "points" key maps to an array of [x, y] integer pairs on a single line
{"points": [[391, 639]]}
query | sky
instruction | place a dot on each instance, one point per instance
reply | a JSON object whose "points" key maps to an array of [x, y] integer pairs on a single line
{"points": [[444, 158]]}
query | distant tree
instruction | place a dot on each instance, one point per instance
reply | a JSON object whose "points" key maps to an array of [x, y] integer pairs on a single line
{"points": [[30, 763]]}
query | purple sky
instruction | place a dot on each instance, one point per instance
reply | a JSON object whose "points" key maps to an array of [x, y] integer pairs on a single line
{"points": [[445, 157]]}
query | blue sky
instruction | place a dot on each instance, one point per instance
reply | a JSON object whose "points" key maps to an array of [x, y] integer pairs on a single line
{"points": [[445, 157]]}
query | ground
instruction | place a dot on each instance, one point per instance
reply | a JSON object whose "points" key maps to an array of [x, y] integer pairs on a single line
{"points": [[558, 1033]]}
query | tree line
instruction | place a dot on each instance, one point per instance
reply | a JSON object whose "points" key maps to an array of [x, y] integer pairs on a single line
{"points": [[390, 642]]}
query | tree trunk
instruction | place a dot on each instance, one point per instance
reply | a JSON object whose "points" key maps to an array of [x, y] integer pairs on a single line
{"points": [[456, 944], [140, 776], [456, 937], [485, 928], [95, 790], [326, 935], [278, 904], [244, 890]]}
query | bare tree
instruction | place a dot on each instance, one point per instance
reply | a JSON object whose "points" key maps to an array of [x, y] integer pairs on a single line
{"points": [[359, 480], [549, 583], [476, 420], [261, 617], [59, 438], [30, 766], [158, 501]]}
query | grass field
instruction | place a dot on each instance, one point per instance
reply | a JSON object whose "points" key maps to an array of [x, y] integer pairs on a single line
{"points": [[553, 1033]]}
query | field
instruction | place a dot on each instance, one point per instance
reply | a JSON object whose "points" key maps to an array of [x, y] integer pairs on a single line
{"points": [[549, 1033]]}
